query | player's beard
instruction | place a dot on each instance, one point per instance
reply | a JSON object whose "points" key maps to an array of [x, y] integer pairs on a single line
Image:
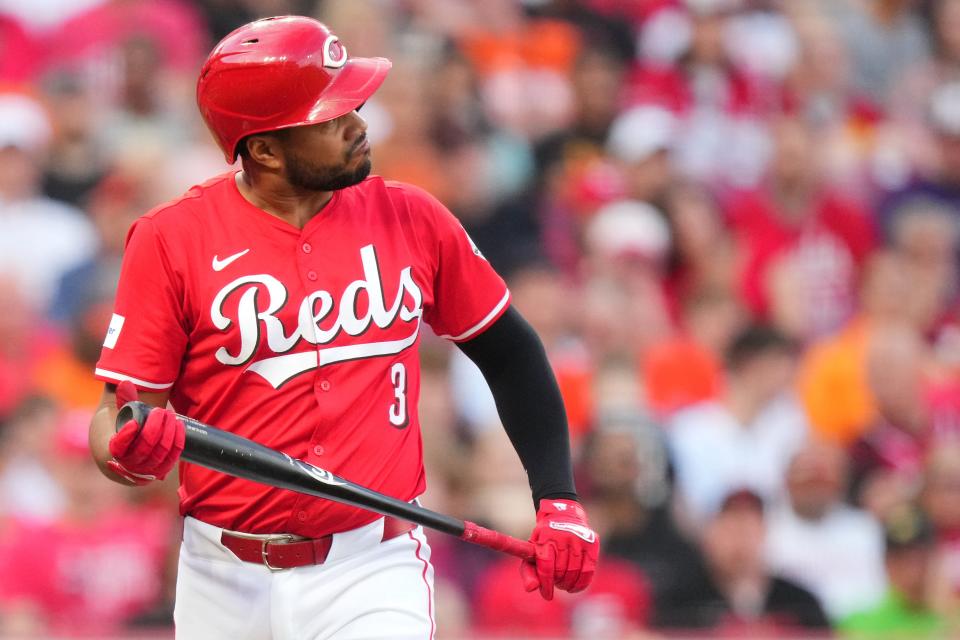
{"points": [[306, 175]]}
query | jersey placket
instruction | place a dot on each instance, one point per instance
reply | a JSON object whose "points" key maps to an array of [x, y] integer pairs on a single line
{"points": [[309, 257]]}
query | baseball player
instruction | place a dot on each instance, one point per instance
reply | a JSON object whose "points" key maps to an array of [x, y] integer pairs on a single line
{"points": [[284, 302]]}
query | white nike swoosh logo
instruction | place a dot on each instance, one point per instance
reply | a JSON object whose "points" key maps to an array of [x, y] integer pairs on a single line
{"points": [[578, 530], [220, 265]]}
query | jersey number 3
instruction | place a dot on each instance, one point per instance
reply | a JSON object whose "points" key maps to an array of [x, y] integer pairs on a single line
{"points": [[398, 410]]}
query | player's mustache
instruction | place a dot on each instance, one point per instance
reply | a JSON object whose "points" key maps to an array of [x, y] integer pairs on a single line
{"points": [[356, 145]]}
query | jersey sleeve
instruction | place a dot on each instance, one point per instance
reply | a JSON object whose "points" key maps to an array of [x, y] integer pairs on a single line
{"points": [[146, 338], [468, 294]]}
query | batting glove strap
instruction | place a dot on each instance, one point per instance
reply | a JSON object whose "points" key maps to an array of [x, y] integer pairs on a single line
{"points": [[566, 549], [138, 479]]}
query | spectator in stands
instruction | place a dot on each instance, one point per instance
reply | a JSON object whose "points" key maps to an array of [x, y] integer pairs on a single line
{"points": [[816, 540], [39, 238], [28, 486], [524, 62], [927, 235], [63, 373], [116, 201], [938, 181], [400, 131], [909, 105], [616, 606], [941, 500], [640, 141], [832, 382], [625, 480], [573, 174], [626, 244], [92, 40], [848, 122], [745, 438], [803, 243], [686, 369], [743, 597], [887, 461], [75, 160], [917, 414], [545, 299], [98, 563], [20, 616], [699, 76], [597, 83], [905, 611], [487, 168], [703, 255], [884, 38], [24, 339]]}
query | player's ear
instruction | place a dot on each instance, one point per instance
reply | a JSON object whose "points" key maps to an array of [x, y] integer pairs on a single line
{"points": [[265, 150]]}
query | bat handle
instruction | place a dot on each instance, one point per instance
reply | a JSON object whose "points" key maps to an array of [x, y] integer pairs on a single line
{"points": [[133, 410], [491, 539]]}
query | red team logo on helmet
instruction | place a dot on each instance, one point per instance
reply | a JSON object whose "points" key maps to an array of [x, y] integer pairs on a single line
{"points": [[334, 53]]}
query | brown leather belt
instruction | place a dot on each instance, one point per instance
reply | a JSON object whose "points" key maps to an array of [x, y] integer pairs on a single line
{"points": [[286, 551]]}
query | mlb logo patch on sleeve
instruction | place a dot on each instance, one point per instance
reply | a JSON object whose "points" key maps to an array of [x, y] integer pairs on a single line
{"points": [[113, 331]]}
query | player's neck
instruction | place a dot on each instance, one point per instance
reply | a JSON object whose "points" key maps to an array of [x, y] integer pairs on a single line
{"points": [[294, 206]]}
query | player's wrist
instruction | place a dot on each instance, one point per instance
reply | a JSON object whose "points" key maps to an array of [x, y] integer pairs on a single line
{"points": [[561, 507]]}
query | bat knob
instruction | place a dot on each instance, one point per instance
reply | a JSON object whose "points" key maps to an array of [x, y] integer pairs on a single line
{"points": [[133, 410]]}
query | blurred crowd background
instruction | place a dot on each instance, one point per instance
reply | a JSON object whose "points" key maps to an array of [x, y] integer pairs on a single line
{"points": [[734, 223]]}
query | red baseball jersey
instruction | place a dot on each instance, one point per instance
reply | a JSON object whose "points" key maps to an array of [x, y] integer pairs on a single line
{"points": [[304, 340]]}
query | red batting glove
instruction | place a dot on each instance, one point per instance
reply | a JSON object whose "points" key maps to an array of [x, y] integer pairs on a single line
{"points": [[566, 546], [142, 455]]}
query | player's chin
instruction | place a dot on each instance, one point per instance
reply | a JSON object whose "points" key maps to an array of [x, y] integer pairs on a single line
{"points": [[349, 177], [363, 170]]}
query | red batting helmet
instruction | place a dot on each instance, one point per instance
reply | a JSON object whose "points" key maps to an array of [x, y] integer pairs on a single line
{"points": [[281, 72]]}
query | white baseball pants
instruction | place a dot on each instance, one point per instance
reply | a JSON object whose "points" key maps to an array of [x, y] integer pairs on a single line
{"points": [[365, 590]]}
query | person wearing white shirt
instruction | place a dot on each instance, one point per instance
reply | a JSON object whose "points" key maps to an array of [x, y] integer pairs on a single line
{"points": [[832, 549], [746, 438], [40, 238]]}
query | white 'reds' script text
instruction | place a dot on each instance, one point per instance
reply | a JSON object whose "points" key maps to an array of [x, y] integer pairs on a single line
{"points": [[314, 309]]}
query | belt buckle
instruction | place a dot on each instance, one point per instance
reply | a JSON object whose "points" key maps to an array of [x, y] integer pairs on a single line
{"points": [[281, 538]]}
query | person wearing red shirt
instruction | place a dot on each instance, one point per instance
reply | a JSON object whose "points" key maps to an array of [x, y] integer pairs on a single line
{"points": [[619, 604], [284, 302], [97, 564], [802, 244]]}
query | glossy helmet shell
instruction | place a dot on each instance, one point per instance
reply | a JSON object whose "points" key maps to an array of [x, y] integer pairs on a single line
{"points": [[281, 72]]}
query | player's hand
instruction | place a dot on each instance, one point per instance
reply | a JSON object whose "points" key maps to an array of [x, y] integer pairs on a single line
{"points": [[142, 455], [567, 549]]}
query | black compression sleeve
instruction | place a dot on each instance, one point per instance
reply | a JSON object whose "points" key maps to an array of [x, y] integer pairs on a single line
{"points": [[513, 362]]}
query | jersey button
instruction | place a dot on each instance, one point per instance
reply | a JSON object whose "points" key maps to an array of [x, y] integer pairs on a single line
{"points": [[307, 247], [318, 450], [302, 516], [311, 275], [325, 385]]}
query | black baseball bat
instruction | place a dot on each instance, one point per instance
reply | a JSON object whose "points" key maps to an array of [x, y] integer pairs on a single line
{"points": [[237, 456]]}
